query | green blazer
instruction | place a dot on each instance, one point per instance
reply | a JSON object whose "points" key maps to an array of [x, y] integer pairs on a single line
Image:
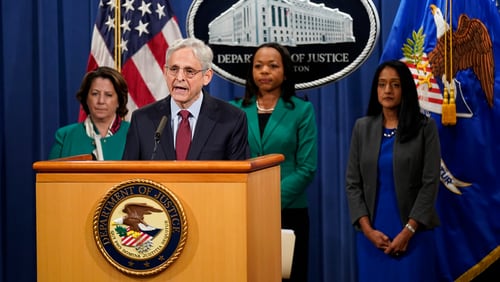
{"points": [[293, 133], [72, 140]]}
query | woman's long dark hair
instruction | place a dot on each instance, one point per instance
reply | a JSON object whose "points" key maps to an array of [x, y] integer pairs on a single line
{"points": [[409, 115], [288, 86]]}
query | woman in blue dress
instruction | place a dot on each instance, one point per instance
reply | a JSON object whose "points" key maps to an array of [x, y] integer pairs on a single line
{"points": [[392, 180]]}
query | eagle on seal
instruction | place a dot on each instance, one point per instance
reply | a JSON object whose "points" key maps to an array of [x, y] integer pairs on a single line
{"points": [[469, 46], [134, 217]]}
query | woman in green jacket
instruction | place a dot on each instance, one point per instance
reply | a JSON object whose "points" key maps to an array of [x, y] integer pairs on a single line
{"points": [[280, 122], [103, 95]]}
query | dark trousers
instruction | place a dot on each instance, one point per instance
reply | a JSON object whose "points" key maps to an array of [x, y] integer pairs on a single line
{"points": [[298, 220]]}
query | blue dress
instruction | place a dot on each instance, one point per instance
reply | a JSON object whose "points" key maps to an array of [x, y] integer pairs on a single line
{"points": [[419, 262]]}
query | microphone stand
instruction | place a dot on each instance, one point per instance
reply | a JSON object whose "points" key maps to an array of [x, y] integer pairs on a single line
{"points": [[158, 132], [157, 141]]}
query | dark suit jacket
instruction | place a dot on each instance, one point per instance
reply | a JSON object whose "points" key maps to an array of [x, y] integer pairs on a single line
{"points": [[416, 166], [221, 133]]}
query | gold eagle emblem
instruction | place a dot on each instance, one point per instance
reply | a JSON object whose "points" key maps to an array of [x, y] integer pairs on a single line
{"points": [[469, 46]]}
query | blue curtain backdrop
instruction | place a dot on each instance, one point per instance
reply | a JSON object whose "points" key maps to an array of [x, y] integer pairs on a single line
{"points": [[44, 49]]}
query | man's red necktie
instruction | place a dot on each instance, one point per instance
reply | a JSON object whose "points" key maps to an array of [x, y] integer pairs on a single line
{"points": [[183, 138]]}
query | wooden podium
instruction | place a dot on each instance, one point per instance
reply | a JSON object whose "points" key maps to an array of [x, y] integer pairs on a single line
{"points": [[232, 212]]}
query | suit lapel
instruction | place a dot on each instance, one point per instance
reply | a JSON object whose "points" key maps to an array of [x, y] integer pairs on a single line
{"points": [[276, 117], [373, 139], [253, 125], [167, 139], [204, 126]]}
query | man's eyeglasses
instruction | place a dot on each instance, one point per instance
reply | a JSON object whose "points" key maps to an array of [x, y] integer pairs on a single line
{"points": [[188, 72]]}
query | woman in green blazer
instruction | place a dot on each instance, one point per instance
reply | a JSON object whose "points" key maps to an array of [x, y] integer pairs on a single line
{"points": [[103, 95], [280, 122]]}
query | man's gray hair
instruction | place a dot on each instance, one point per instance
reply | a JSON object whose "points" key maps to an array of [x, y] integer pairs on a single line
{"points": [[201, 50]]}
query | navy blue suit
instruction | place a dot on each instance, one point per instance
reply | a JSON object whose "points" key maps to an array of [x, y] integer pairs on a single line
{"points": [[221, 133]]}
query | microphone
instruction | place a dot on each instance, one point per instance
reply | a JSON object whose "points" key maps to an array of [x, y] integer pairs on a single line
{"points": [[160, 128], [158, 132]]}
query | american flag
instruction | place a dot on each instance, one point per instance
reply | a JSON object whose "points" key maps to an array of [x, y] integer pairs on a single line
{"points": [[139, 239], [429, 94], [146, 28]]}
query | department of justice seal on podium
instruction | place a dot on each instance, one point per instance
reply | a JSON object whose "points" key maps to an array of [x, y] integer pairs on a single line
{"points": [[140, 227]]}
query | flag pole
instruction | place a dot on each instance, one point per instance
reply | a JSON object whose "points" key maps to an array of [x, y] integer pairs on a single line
{"points": [[117, 49], [449, 110]]}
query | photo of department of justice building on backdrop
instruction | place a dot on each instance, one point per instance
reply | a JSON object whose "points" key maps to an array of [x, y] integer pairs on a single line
{"points": [[291, 23], [327, 40]]}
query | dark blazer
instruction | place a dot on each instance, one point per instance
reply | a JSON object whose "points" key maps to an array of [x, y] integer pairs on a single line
{"points": [[416, 172], [221, 133]]}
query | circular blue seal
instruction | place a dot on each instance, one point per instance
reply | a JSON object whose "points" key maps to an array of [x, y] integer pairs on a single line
{"points": [[140, 227]]}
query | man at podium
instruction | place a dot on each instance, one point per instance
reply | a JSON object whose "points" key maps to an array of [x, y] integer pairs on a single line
{"points": [[199, 126]]}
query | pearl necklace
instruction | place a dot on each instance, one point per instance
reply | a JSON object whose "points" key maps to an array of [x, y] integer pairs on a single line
{"points": [[390, 134], [263, 109]]}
